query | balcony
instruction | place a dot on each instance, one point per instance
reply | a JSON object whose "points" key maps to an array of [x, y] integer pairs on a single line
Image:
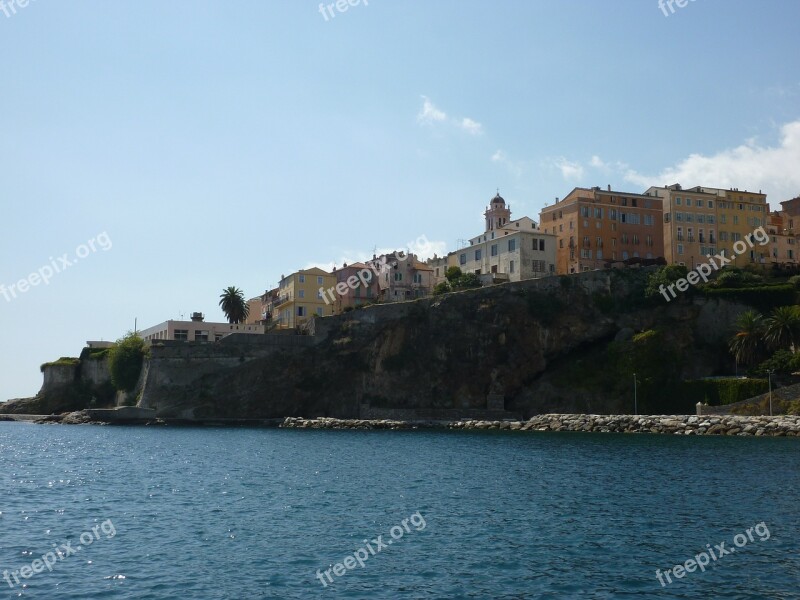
{"points": [[284, 299]]}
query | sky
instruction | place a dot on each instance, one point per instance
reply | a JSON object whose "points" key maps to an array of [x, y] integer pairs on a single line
{"points": [[154, 153]]}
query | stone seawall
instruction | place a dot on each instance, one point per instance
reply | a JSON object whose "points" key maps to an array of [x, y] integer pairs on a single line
{"points": [[779, 426]]}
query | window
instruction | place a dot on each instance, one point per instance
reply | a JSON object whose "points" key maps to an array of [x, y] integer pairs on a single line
{"points": [[677, 201], [541, 245], [599, 255], [477, 254], [678, 217], [586, 253], [319, 311], [598, 212], [319, 279], [612, 214], [710, 219], [701, 218], [512, 246], [494, 250], [689, 218], [680, 248], [584, 211], [710, 204], [561, 227], [398, 276], [538, 266], [648, 220], [417, 277], [624, 255], [735, 219], [511, 266], [302, 278], [301, 311], [680, 234], [301, 293], [182, 334], [722, 219], [462, 259], [200, 335]]}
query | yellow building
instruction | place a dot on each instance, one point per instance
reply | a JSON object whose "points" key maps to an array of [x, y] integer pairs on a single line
{"points": [[299, 297], [739, 214]]}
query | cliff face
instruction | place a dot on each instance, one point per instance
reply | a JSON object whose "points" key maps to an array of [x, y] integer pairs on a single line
{"points": [[554, 345], [68, 385], [530, 347]]}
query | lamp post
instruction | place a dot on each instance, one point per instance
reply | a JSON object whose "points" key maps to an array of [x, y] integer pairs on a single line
{"points": [[635, 399], [769, 380]]}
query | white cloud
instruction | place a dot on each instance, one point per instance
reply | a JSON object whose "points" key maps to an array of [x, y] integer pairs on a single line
{"points": [[773, 169], [570, 170], [516, 168], [429, 113], [471, 127]]}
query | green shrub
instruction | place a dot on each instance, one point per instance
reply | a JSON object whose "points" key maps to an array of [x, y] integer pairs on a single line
{"points": [[783, 361], [718, 392], [64, 360], [125, 361], [764, 298], [663, 276], [795, 281], [442, 288]]}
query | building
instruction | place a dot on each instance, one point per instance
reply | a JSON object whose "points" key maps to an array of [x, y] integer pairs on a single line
{"points": [[701, 221], [197, 330], [507, 250], [597, 228], [406, 278], [440, 264], [360, 290], [299, 297], [739, 213]]}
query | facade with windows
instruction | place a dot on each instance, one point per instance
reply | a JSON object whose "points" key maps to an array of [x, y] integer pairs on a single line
{"points": [[358, 293], [597, 228], [197, 330], [508, 250], [700, 222], [406, 278], [299, 297]]}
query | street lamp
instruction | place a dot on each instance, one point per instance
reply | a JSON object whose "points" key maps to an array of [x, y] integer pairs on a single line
{"points": [[635, 399], [769, 380]]}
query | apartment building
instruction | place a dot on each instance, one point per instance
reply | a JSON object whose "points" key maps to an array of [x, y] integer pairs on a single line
{"points": [[299, 297], [596, 228], [738, 214], [405, 279], [363, 286]]}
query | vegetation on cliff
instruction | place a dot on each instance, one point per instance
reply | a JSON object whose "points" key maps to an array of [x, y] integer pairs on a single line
{"points": [[125, 361]]}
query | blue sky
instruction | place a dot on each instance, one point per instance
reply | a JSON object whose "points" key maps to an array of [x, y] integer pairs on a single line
{"points": [[227, 143]]}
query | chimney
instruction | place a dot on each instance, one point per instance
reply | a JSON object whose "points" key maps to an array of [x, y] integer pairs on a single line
{"points": [[609, 187], [197, 317]]}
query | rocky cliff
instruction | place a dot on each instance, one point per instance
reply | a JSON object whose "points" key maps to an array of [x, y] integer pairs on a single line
{"points": [[567, 344]]}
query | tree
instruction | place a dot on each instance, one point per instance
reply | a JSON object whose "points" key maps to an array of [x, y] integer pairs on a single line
{"points": [[783, 328], [663, 277], [125, 361], [234, 305], [453, 273], [467, 281], [442, 288], [748, 343]]}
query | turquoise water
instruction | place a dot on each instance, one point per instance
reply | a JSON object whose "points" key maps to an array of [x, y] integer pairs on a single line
{"points": [[248, 513]]}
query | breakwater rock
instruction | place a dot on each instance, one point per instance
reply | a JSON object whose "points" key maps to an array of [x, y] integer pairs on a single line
{"points": [[782, 425]]}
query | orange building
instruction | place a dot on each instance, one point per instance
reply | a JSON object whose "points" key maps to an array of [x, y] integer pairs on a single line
{"points": [[596, 228]]}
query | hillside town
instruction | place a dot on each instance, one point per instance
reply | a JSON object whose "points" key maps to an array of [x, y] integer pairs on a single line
{"points": [[589, 229]]}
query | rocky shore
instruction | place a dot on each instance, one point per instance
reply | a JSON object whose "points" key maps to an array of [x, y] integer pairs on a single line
{"points": [[782, 425]]}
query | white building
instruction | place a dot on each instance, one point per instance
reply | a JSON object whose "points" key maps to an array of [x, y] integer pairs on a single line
{"points": [[508, 250], [197, 330]]}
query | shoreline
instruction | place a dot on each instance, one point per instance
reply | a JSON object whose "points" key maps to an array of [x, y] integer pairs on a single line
{"points": [[732, 425]]}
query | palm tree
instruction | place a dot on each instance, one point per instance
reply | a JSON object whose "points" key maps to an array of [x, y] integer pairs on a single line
{"points": [[747, 344], [783, 328], [234, 305]]}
